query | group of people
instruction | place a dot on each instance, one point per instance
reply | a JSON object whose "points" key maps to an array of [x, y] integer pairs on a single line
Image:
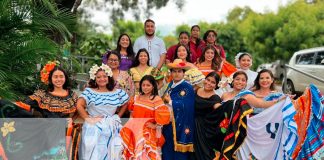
{"points": [[183, 103]]}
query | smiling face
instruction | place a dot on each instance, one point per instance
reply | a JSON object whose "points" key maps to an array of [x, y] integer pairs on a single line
{"points": [[245, 62], [239, 82], [182, 53], [209, 55], [210, 83], [265, 80], [147, 87], [124, 41], [58, 79], [143, 58], [101, 78], [113, 61]]}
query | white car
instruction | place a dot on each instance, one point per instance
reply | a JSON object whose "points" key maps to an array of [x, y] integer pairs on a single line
{"points": [[310, 61]]}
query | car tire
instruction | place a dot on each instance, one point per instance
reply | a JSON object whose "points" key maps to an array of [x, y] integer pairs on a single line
{"points": [[290, 89]]}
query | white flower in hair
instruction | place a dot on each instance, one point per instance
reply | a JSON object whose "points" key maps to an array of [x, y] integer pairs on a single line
{"points": [[107, 70], [94, 69]]}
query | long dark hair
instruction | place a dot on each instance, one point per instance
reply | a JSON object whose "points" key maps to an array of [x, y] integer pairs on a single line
{"points": [[215, 76], [152, 81], [66, 84], [110, 86], [136, 60], [237, 73], [216, 62], [129, 49], [188, 59], [198, 40], [257, 79]]}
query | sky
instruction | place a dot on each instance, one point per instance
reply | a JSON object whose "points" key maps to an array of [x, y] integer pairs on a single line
{"points": [[194, 11]]}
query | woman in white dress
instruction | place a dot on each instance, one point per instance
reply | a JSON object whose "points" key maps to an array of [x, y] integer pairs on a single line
{"points": [[97, 105], [243, 61]]}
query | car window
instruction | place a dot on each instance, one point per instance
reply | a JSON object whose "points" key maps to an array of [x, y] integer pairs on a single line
{"points": [[306, 58], [319, 58], [297, 58]]}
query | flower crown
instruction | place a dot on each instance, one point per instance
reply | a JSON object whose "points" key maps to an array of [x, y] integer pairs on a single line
{"points": [[94, 69], [50, 65]]}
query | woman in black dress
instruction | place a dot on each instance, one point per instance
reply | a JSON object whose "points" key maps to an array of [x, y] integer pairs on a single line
{"points": [[206, 105]]}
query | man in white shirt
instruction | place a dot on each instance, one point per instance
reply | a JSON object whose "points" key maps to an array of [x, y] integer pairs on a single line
{"points": [[154, 45]]}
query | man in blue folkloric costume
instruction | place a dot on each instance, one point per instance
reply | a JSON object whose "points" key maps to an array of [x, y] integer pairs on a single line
{"points": [[179, 133]]}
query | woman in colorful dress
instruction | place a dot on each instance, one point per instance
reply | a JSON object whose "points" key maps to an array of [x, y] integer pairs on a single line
{"points": [[57, 101], [206, 101], [235, 119], [193, 75], [264, 87], [141, 68], [121, 78], [97, 105], [211, 61], [142, 137], [125, 49]]}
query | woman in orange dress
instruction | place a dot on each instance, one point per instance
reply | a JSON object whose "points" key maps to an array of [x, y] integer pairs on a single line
{"points": [[142, 138], [210, 61]]}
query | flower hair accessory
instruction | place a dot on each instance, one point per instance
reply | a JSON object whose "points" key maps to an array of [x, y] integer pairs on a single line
{"points": [[47, 69], [237, 61], [94, 69]]}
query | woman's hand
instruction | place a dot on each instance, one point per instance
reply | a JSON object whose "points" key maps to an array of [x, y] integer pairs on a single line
{"points": [[291, 96], [216, 105], [166, 98]]}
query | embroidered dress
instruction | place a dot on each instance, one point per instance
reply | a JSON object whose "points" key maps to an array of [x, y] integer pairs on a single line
{"points": [[35, 132], [227, 126], [272, 134], [102, 140], [310, 122], [139, 141], [124, 82], [226, 70], [194, 76], [137, 75], [179, 134]]}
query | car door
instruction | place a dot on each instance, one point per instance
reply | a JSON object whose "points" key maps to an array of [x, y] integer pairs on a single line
{"points": [[319, 70], [306, 64]]}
